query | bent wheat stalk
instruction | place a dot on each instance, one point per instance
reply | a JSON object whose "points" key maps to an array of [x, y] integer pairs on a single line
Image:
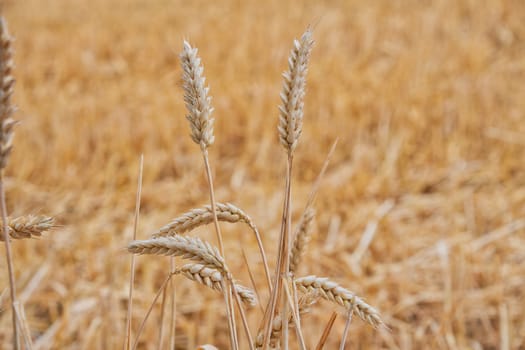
{"points": [[332, 291], [204, 216]]}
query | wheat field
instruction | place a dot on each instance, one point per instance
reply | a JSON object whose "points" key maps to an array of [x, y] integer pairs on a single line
{"points": [[421, 211]]}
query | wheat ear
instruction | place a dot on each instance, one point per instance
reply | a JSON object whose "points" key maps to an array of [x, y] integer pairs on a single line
{"points": [[192, 248], [198, 103], [29, 226], [332, 291], [292, 95], [213, 279], [301, 238], [203, 216]]}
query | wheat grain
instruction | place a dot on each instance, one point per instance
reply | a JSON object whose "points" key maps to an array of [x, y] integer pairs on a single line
{"points": [[332, 291], [301, 238], [292, 94], [213, 278], [198, 103], [29, 226], [192, 248]]}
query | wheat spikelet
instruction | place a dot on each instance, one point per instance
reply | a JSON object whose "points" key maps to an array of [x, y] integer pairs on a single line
{"points": [[292, 95], [29, 226], [301, 238], [192, 248], [198, 103], [7, 83], [213, 278], [203, 216], [331, 291]]}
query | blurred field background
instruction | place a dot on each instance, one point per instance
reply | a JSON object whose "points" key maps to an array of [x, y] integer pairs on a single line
{"points": [[427, 99]]}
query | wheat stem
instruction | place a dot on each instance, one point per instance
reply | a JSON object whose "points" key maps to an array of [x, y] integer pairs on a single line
{"points": [[6, 139], [129, 315]]}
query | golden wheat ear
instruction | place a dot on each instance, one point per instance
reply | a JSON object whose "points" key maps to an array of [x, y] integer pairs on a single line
{"points": [[214, 279], [333, 292]]}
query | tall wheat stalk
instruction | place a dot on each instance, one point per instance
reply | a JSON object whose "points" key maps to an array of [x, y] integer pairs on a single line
{"points": [[198, 104], [129, 315], [290, 128], [6, 143]]}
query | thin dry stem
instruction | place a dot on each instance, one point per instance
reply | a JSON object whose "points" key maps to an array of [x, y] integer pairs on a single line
{"points": [[332, 291], [146, 316], [6, 141], [304, 304], [127, 342], [326, 332]]}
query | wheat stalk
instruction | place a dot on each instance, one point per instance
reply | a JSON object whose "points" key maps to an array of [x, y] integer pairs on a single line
{"points": [[301, 238], [332, 291], [292, 95], [289, 128], [203, 216], [29, 226], [198, 103], [192, 248], [214, 279], [6, 144], [305, 302]]}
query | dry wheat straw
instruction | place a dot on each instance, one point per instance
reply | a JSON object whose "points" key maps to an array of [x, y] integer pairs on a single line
{"points": [[332, 291], [198, 103], [6, 144], [29, 226], [292, 95], [192, 248], [304, 304], [301, 238], [214, 279]]}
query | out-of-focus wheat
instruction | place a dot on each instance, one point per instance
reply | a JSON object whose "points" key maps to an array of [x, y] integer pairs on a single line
{"points": [[29, 226], [301, 238]]}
